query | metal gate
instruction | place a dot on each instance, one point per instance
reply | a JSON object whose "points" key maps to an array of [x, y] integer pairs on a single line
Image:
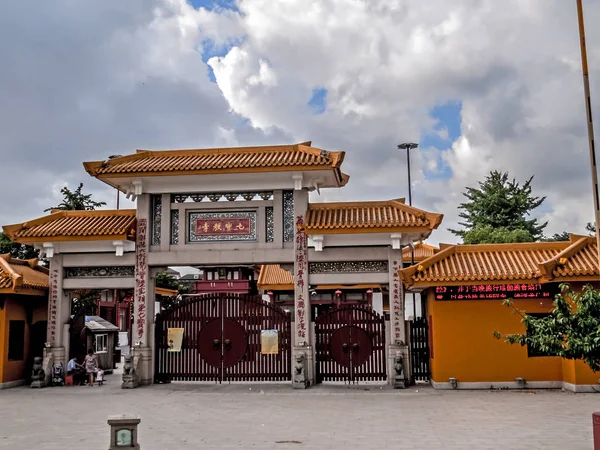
{"points": [[350, 345], [419, 349], [222, 340]]}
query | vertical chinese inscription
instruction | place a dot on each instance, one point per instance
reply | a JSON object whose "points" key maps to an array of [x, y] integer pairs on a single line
{"points": [[141, 269], [156, 218], [269, 223], [397, 296], [288, 216], [174, 226], [52, 305], [300, 280]]}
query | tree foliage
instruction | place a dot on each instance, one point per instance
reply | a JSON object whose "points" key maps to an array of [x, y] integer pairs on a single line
{"points": [[503, 206], [86, 301], [571, 330], [558, 237], [486, 234], [168, 281], [76, 200], [16, 250]]}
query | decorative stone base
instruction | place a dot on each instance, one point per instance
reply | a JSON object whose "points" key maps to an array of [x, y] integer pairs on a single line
{"points": [[129, 382], [12, 384], [38, 384]]}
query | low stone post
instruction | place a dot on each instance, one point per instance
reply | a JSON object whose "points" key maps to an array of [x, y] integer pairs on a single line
{"points": [[596, 424], [123, 431]]}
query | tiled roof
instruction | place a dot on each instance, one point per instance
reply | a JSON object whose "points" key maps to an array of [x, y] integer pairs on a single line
{"points": [[166, 292], [273, 277], [368, 217], [22, 276], [578, 259], [422, 251], [70, 225], [498, 263], [220, 160]]}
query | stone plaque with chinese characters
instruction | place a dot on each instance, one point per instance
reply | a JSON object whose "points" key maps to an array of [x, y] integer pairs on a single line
{"points": [[225, 226]]}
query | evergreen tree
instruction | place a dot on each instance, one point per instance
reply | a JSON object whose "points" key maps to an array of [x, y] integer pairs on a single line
{"points": [[16, 250], [499, 211], [76, 200], [558, 237]]}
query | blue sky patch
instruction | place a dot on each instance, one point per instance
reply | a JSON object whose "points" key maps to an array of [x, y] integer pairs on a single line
{"points": [[318, 100], [448, 117], [212, 4]]}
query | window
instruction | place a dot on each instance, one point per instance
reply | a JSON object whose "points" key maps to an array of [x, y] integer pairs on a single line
{"points": [[16, 340], [236, 275], [101, 343], [209, 276], [532, 352]]}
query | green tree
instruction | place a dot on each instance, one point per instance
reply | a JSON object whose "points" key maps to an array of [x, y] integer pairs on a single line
{"points": [[571, 330], [558, 237], [591, 227], [76, 200], [168, 281], [500, 203], [486, 234], [86, 301], [17, 250]]}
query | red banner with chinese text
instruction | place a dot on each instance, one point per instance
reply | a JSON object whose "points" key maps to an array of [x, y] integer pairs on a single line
{"points": [[221, 227]]}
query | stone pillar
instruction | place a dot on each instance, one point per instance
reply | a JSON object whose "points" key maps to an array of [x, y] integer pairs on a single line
{"points": [[397, 324], [302, 329], [143, 308], [59, 314]]}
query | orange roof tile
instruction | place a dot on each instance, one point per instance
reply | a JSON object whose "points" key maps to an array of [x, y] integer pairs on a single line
{"points": [[273, 277], [220, 160], [75, 225], [577, 260], [540, 262], [368, 217], [165, 292], [422, 251], [482, 263], [20, 276]]}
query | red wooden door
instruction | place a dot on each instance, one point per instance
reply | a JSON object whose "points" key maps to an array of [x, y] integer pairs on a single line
{"points": [[210, 343], [340, 344], [234, 343]]}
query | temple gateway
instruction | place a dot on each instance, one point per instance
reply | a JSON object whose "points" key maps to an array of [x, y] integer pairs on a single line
{"points": [[336, 292], [230, 207]]}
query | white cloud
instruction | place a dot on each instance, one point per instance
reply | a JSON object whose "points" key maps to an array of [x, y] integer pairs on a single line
{"points": [[119, 76]]}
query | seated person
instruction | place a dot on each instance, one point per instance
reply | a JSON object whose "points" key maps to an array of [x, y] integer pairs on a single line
{"points": [[76, 370]]}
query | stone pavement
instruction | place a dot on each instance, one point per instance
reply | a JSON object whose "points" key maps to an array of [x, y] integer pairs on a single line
{"points": [[202, 416]]}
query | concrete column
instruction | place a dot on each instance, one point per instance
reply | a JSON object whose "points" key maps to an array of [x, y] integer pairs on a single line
{"points": [[59, 311], [302, 329], [143, 306], [397, 324]]}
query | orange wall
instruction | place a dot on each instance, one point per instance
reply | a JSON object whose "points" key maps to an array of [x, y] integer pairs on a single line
{"points": [[14, 310], [464, 346], [3, 341]]}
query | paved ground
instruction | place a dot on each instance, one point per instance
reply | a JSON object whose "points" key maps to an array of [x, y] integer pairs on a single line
{"points": [[197, 416]]}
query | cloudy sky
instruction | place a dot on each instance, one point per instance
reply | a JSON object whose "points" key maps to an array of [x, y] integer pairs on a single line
{"points": [[480, 84]]}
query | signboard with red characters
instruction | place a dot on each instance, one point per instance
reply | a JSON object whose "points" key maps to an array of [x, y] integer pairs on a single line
{"points": [[496, 291], [231, 227]]}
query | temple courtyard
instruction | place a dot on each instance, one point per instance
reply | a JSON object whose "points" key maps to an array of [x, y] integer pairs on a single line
{"points": [[203, 416]]}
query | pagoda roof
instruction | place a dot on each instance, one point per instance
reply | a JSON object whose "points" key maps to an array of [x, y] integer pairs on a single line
{"points": [[22, 276]]}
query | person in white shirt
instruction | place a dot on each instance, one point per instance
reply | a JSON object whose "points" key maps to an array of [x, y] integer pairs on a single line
{"points": [[76, 370]]}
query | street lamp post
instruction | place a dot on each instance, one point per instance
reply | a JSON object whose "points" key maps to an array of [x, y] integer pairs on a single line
{"points": [[590, 124], [408, 146]]}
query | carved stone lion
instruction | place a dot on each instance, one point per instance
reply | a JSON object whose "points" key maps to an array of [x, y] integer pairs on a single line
{"points": [[38, 376]]}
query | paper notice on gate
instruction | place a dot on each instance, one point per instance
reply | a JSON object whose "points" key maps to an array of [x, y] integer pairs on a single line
{"points": [[269, 342], [174, 338]]}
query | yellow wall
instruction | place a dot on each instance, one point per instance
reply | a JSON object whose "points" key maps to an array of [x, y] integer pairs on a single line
{"points": [[463, 345]]}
